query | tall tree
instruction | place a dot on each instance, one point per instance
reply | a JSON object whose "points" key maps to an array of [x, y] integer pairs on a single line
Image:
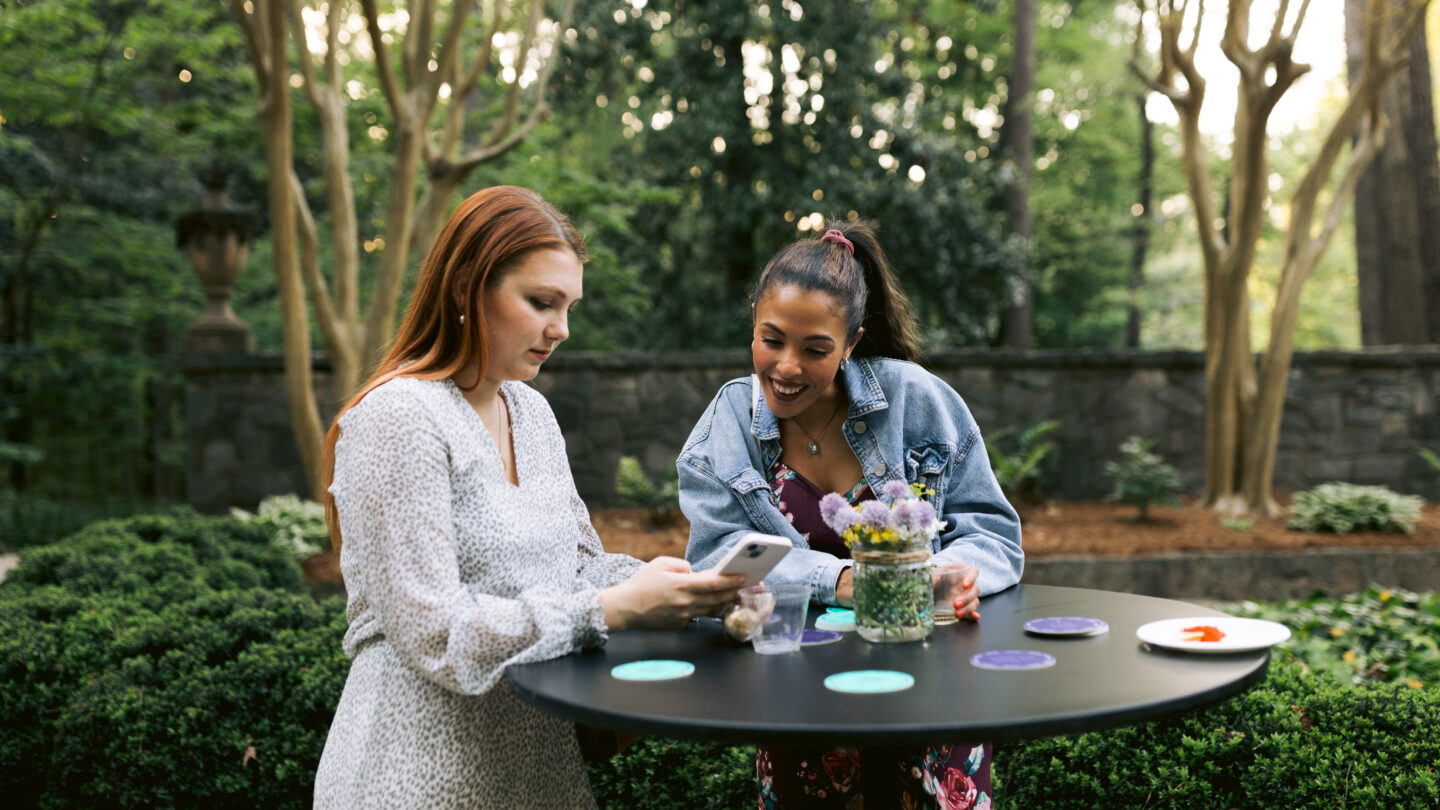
{"points": [[1143, 220], [1397, 202], [1018, 145], [416, 54], [1243, 408]]}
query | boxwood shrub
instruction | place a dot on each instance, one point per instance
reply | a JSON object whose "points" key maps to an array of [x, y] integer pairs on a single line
{"points": [[164, 662]]}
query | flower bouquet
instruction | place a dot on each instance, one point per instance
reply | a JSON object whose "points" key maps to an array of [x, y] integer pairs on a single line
{"points": [[890, 541]]}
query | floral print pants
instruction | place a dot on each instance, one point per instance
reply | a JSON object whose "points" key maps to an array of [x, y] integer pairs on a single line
{"points": [[944, 777]]}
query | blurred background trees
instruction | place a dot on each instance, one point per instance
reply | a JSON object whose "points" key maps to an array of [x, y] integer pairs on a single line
{"points": [[688, 140]]}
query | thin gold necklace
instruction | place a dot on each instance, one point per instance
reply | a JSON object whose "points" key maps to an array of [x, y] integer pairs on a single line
{"points": [[500, 422], [813, 448]]}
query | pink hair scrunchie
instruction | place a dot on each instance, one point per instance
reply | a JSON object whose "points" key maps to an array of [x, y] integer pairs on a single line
{"points": [[838, 238]]}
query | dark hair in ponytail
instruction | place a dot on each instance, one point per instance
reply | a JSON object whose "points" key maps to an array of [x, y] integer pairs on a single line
{"points": [[862, 283]]}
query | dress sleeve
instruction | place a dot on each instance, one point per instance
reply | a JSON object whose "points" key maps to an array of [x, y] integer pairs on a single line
{"points": [[394, 496]]}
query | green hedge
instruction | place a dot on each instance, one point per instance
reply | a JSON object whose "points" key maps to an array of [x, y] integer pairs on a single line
{"points": [[167, 661], [174, 661]]}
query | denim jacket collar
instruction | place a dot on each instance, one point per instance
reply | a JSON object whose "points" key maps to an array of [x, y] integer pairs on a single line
{"points": [[861, 388]]}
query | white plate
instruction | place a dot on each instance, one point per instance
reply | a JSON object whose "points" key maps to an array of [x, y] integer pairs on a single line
{"points": [[1240, 634]]}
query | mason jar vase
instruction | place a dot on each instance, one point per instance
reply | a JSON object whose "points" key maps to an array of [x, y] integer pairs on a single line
{"points": [[893, 596]]}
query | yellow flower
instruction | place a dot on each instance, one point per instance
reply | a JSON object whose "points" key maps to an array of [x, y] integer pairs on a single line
{"points": [[1415, 683], [1337, 632], [1385, 596], [1348, 656]]}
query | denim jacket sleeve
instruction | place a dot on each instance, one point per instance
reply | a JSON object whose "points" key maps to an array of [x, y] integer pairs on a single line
{"points": [[725, 496], [981, 527]]}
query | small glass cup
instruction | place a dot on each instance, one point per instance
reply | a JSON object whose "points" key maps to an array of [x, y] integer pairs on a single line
{"points": [[947, 588], [783, 608]]}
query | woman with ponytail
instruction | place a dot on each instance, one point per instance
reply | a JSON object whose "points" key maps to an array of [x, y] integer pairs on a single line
{"points": [[464, 545], [837, 403]]}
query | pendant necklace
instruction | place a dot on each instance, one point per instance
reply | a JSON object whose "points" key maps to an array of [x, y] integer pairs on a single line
{"points": [[813, 448]]}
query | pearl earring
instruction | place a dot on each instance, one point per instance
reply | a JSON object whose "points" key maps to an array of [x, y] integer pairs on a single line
{"points": [[462, 320]]}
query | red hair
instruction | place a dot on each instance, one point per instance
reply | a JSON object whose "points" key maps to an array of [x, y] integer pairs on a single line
{"points": [[491, 231]]}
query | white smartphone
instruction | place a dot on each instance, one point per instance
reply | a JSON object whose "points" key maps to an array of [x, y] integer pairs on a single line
{"points": [[754, 556]]}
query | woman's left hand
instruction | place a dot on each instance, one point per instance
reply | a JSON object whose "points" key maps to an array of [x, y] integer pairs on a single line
{"points": [[965, 584]]}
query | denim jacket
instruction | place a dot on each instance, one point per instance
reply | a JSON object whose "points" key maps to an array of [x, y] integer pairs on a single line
{"points": [[904, 424]]}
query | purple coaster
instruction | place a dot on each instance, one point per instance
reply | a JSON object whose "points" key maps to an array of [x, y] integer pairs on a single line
{"points": [[1012, 660], [1066, 626], [813, 637]]}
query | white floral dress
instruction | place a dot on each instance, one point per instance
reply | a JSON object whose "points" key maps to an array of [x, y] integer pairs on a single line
{"points": [[454, 574]]}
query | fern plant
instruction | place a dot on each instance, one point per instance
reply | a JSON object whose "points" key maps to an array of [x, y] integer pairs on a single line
{"points": [[1018, 470], [636, 488]]}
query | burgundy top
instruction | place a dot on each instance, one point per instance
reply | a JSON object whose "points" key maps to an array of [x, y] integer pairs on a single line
{"points": [[800, 504]]}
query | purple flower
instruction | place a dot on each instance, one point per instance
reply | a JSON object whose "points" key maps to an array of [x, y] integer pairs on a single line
{"points": [[874, 515], [837, 513], [895, 491]]}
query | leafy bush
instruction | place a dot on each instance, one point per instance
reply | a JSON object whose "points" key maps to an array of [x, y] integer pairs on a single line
{"points": [[661, 774], [159, 559], [1018, 470], [632, 484], [1142, 478], [1296, 740], [297, 525], [31, 520], [164, 661], [1340, 508], [1380, 634], [106, 702]]}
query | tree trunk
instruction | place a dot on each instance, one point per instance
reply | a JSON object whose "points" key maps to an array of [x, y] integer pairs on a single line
{"points": [[1397, 203], [1020, 146], [279, 159], [1142, 225]]}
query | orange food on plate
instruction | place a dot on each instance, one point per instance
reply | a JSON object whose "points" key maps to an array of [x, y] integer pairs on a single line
{"points": [[1202, 632]]}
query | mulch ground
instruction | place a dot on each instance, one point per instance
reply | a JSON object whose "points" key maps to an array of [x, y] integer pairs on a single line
{"points": [[1066, 527]]}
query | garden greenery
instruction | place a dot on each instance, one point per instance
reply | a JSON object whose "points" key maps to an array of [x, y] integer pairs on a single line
{"points": [[635, 487], [173, 661], [1018, 470], [1142, 478], [1339, 507], [295, 524]]}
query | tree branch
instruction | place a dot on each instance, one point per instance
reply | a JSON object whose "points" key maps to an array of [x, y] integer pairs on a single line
{"points": [[389, 84], [254, 40], [512, 98]]}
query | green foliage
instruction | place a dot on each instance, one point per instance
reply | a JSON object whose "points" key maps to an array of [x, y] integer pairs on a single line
{"points": [[164, 661], [668, 98], [662, 774], [159, 559], [296, 524], [1297, 740], [1381, 634], [1142, 478], [32, 520], [1019, 469], [632, 484], [1431, 458], [1339, 507]]}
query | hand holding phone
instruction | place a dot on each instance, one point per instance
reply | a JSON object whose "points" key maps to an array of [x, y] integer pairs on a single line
{"points": [[754, 556]]}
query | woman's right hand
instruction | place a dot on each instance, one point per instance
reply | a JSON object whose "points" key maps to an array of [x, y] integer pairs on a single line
{"points": [[665, 594]]}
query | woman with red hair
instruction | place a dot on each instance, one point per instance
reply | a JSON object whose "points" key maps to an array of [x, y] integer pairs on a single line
{"points": [[465, 546]]}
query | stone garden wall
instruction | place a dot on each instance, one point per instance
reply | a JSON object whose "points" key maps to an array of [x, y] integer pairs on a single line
{"points": [[1351, 416]]}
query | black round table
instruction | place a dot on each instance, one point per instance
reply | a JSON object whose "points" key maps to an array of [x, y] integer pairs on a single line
{"points": [[736, 695]]}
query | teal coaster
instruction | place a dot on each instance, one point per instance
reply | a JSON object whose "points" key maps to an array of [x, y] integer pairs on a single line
{"points": [[839, 611], [835, 621], [869, 681], [659, 669]]}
